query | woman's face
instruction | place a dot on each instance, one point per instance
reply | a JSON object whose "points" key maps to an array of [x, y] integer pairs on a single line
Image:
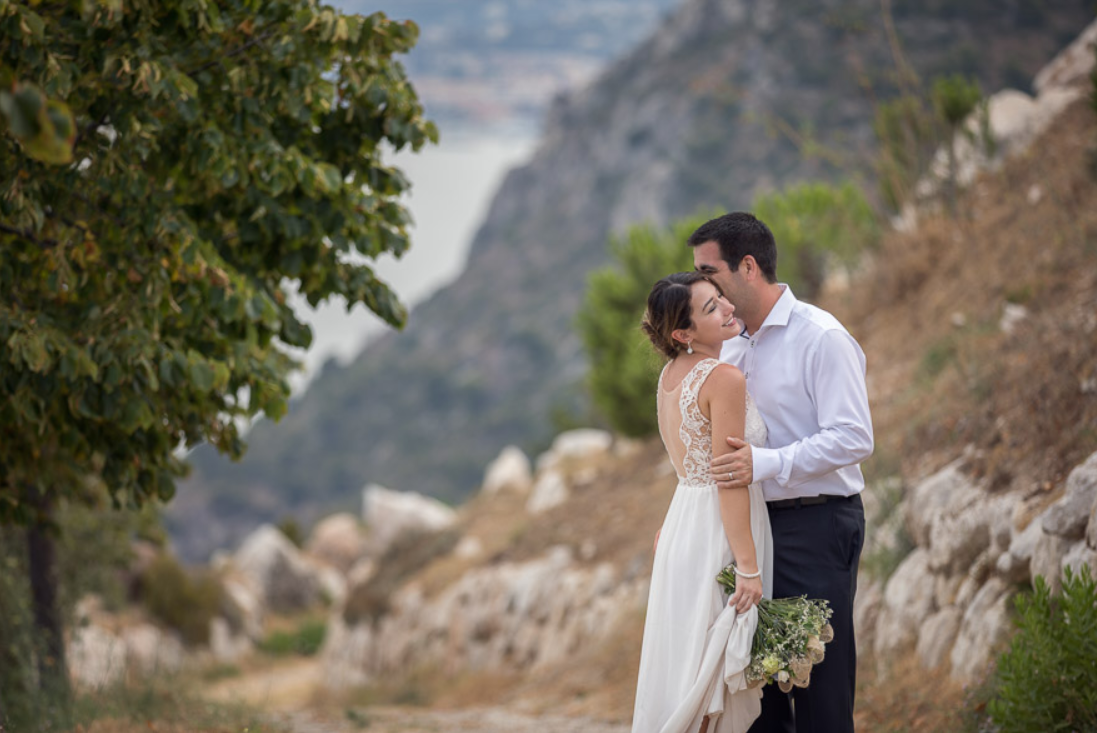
{"points": [[713, 316]]}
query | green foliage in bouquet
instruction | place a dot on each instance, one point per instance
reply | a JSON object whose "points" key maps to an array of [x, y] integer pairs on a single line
{"points": [[1047, 679], [624, 368], [789, 640]]}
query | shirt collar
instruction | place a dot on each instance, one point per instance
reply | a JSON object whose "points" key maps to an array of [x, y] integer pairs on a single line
{"points": [[780, 313]]}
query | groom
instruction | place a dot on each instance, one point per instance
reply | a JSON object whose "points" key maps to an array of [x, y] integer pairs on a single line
{"points": [[806, 375]]}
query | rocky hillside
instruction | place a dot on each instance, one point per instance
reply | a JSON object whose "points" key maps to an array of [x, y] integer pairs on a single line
{"points": [[981, 337], [981, 334], [706, 113]]}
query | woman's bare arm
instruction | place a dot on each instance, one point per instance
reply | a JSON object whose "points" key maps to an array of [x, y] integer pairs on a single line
{"points": [[723, 399]]}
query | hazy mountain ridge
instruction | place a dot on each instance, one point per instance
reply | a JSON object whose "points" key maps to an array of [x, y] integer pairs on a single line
{"points": [[678, 124]]}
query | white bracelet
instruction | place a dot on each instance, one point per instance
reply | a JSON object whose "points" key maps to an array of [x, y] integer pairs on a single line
{"points": [[741, 574]]}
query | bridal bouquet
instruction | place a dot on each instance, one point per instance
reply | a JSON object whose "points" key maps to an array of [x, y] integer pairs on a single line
{"points": [[789, 639]]}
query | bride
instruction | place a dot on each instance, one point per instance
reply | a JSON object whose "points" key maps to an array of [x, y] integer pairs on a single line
{"points": [[697, 645]]}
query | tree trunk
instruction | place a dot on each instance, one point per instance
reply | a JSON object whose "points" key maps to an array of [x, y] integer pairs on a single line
{"points": [[953, 187], [41, 558]]}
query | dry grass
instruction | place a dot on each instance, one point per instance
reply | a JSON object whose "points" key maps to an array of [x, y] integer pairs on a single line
{"points": [[935, 387], [615, 508], [942, 373], [911, 700]]}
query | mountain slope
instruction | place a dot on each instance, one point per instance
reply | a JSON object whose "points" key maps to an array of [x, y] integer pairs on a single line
{"points": [[690, 119]]}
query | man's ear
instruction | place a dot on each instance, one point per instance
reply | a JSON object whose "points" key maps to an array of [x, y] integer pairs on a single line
{"points": [[748, 266]]}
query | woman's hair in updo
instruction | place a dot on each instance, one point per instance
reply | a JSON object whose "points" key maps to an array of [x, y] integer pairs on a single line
{"points": [[669, 309]]}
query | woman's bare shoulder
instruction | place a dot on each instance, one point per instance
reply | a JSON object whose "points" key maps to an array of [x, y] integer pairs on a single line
{"points": [[724, 379]]}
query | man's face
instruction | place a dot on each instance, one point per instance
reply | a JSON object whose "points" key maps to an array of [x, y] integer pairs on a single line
{"points": [[707, 259]]}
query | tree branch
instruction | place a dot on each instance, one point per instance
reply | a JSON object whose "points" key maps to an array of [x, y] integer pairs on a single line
{"points": [[235, 52], [29, 236]]}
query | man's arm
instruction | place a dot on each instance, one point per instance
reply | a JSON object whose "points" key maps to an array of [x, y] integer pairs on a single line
{"points": [[835, 382]]}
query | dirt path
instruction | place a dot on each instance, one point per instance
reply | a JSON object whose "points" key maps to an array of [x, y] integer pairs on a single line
{"points": [[287, 690], [483, 720]]}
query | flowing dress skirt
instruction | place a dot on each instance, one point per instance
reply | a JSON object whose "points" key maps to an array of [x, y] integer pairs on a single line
{"points": [[696, 648]]}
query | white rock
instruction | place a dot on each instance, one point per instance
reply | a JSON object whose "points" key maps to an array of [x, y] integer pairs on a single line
{"points": [[575, 444], [469, 548], [510, 471], [937, 636], [1091, 528], [1035, 194], [226, 646], [1069, 516], [1012, 315], [1014, 563], [985, 627], [1080, 556], [931, 497], [508, 616], [549, 491], [1070, 66], [362, 571], [1047, 559], [277, 570], [333, 584], [96, 657], [951, 517], [866, 613], [337, 541], [244, 606], [908, 600], [151, 650], [391, 513]]}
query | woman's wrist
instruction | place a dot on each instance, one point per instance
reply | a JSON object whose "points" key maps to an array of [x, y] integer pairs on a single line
{"points": [[744, 574]]}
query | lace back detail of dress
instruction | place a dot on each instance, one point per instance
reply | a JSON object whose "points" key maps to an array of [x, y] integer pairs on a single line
{"points": [[695, 430]]}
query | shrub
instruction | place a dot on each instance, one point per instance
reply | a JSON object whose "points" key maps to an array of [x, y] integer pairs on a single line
{"points": [[1047, 679], [623, 366], [183, 601], [817, 225], [304, 641]]}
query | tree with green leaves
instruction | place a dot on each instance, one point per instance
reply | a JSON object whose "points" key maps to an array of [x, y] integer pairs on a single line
{"points": [[817, 226], [624, 369], [220, 154], [954, 99]]}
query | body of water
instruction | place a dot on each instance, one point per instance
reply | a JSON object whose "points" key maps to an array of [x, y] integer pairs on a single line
{"points": [[452, 185]]}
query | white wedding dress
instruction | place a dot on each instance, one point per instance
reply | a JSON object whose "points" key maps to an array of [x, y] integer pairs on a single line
{"points": [[696, 648]]}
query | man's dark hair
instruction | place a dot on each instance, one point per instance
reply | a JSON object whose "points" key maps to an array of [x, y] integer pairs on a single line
{"points": [[740, 234]]}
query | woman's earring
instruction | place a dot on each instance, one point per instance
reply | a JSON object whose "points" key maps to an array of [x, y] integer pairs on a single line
{"points": [[689, 345]]}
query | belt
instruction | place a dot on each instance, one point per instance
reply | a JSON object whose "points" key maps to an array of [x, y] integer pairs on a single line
{"points": [[802, 501]]}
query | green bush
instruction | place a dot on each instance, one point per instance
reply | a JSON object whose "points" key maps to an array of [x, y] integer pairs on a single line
{"points": [[623, 366], [304, 641], [817, 225], [1047, 679], [184, 601]]}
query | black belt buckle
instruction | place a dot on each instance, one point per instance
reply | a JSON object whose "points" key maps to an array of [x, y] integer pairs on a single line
{"points": [[801, 501]]}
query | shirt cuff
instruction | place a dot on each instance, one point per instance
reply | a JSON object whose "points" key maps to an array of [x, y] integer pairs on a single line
{"points": [[767, 463]]}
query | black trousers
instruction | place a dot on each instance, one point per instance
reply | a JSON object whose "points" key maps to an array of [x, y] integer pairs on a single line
{"points": [[816, 551]]}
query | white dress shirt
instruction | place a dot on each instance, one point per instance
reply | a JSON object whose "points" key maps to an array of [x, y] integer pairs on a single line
{"points": [[807, 377]]}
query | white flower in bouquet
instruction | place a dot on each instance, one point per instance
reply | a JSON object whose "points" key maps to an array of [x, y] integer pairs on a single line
{"points": [[789, 639]]}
